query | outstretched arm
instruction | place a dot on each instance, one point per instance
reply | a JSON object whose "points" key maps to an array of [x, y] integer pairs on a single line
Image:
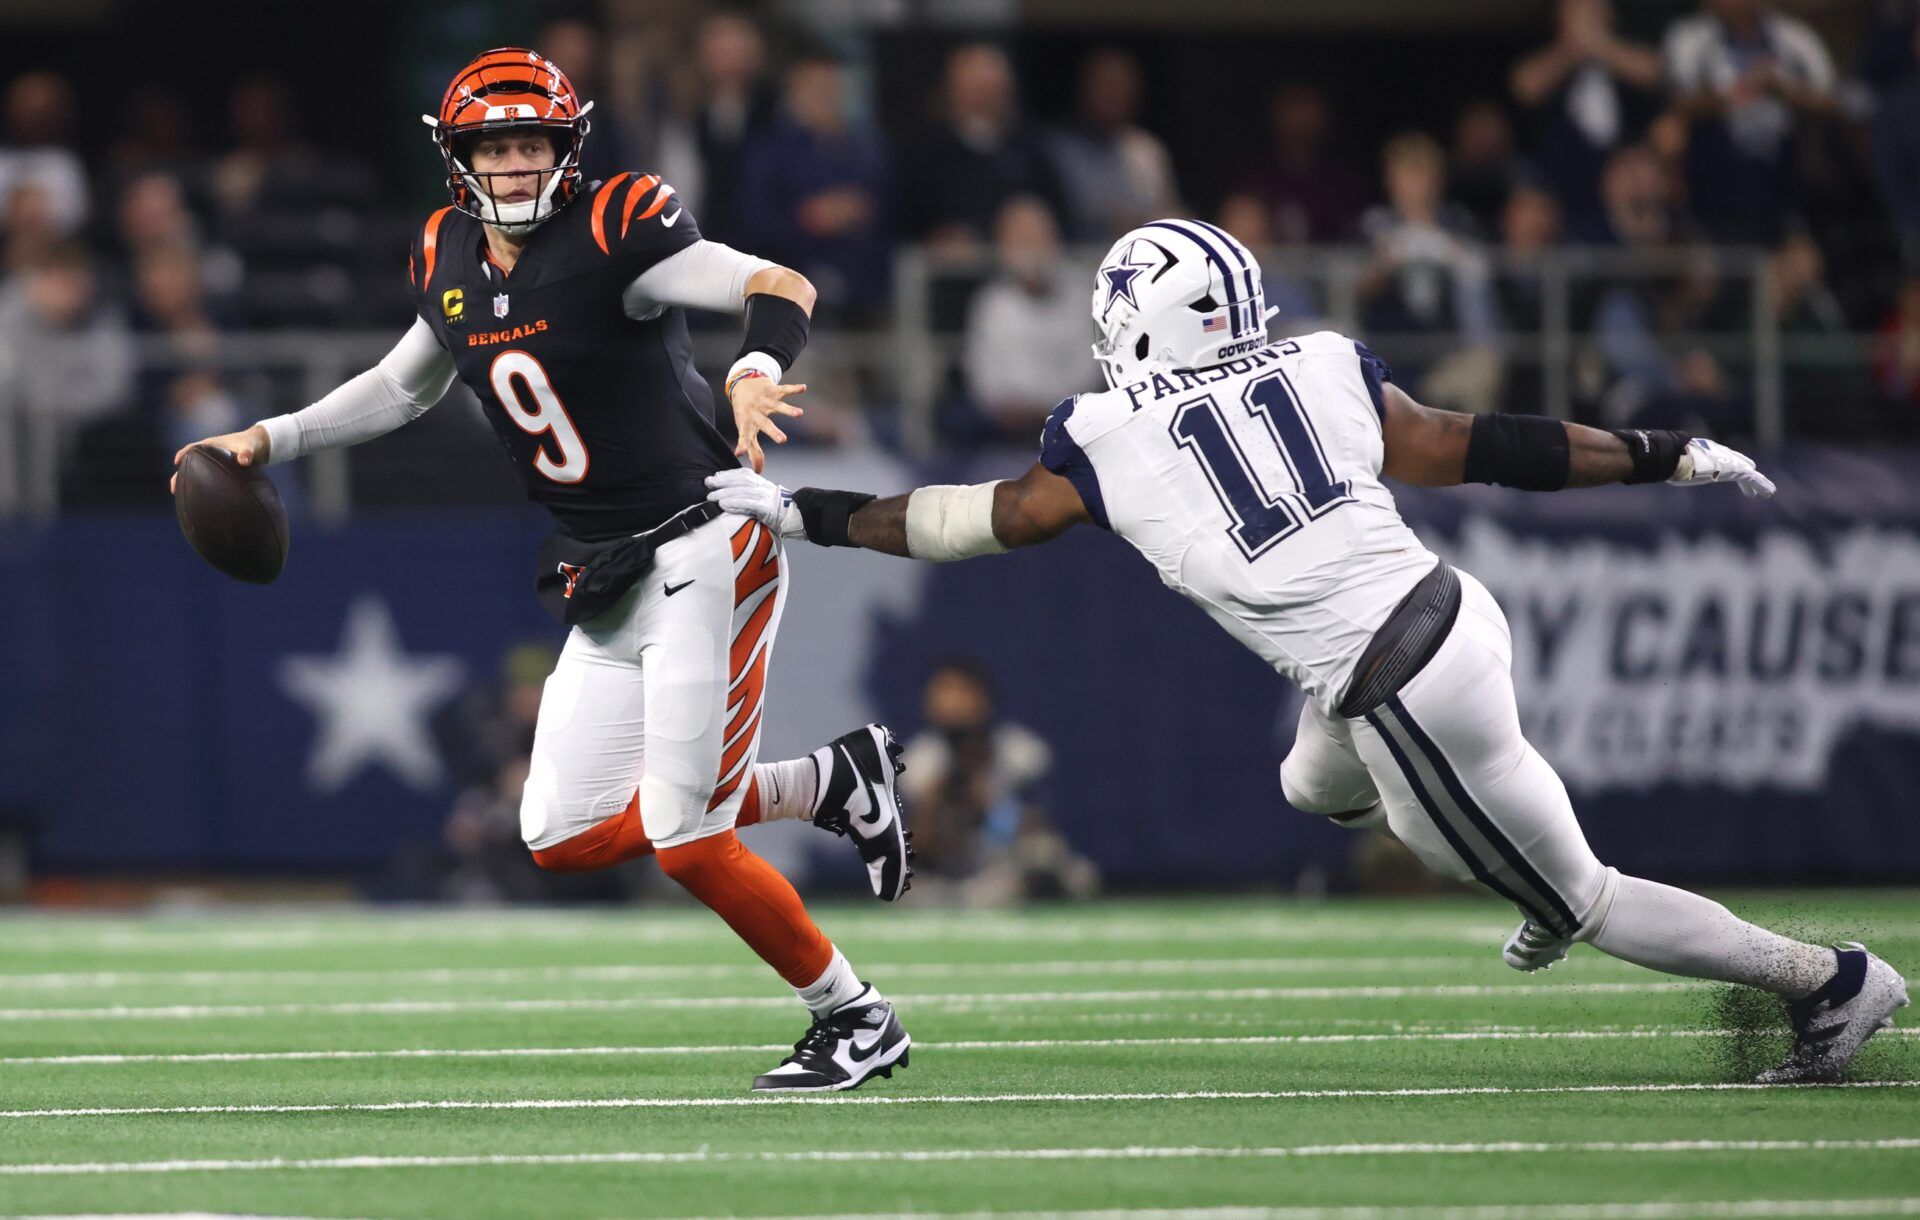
{"points": [[942, 523], [408, 380], [938, 523], [1433, 448]]}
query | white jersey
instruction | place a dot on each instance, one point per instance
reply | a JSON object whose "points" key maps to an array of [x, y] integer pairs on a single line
{"points": [[1254, 487]]}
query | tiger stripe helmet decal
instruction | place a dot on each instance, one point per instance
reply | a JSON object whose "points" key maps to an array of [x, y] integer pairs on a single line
{"points": [[503, 89]]}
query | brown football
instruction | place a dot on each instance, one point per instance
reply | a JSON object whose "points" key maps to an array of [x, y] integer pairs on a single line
{"points": [[231, 514]]}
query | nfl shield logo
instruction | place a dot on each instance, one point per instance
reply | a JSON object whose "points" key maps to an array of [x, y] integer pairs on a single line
{"points": [[500, 305]]}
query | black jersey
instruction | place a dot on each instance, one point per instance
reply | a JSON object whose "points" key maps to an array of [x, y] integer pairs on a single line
{"points": [[605, 415]]}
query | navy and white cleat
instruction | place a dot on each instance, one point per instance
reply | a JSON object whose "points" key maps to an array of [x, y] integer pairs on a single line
{"points": [[843, 1050], [1831, 1025], [1532, 947], [860, 797]]}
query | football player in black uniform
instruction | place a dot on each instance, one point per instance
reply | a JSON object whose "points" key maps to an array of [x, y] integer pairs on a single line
{"points": [[559, 303]]}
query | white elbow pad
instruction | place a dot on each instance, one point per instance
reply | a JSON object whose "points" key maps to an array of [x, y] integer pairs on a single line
{"points": [[948, 522]]}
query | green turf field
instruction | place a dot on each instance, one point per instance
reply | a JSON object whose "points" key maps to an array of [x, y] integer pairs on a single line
{"points": [[1243, 1053]]}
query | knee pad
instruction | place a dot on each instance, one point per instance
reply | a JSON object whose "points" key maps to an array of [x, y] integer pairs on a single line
{"points": [[1313, 794], [539, 803], [671, 807]]}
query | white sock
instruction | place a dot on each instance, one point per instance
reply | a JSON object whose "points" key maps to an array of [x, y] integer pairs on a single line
{"points": [[789, 789], [836, 987], [1670, 930]]}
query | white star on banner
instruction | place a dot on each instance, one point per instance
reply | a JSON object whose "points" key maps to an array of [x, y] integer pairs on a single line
{"points": [[372, 701]]}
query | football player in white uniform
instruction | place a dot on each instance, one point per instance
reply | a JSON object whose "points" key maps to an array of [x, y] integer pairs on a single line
{"points": [[1249, 473]]}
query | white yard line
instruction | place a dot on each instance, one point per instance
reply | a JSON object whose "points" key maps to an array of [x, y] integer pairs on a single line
{"points": [[878, 1099], [82, 979], [1718, 1209], [998, 1044], [957, 1000], [167, 1216], [935, 1155], [53, 937], [1703, 1209]]}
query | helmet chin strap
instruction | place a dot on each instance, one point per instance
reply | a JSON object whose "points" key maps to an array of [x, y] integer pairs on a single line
{"points": [[516, 218]]}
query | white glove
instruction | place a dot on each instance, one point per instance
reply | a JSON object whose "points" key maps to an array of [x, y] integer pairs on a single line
{"points": [[1706, 461], [741, 491]]}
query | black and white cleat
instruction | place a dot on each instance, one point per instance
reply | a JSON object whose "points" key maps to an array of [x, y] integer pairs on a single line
{"points": [[1831, 1025], [860, 798], [843, 1050]]}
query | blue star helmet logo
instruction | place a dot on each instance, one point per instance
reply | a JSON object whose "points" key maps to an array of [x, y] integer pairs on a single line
{"points": [[1120, 280]]}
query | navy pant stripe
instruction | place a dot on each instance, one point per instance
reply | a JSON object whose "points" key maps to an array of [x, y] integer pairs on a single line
{"points": [[1481, 872], [1527, 874]]}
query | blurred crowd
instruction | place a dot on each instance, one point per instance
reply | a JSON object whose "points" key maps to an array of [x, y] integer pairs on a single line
{"points": [[121, 265], [977, 783]]}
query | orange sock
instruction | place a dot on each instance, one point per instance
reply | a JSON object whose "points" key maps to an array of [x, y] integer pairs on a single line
{"points": [[620, 838], [750, 807], [755, 900]]}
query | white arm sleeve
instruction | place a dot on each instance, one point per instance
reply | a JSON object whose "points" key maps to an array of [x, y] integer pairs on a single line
{"points": [[408, 380], [945, 522], [705, 275]]}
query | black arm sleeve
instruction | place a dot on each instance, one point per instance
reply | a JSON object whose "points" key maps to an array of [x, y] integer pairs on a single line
{"points": [[775, 326], [1524, 451]]}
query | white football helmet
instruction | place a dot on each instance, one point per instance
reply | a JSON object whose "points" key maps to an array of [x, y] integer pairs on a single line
{"points": [[1176, 294]]}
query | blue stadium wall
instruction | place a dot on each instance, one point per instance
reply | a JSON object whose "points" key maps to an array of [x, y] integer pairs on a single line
{"points": [[1731, 688]]}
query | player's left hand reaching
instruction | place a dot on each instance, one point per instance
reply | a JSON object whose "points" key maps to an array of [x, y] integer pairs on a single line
{"points": [[748, 494], [1706, 461], [756, 400]]}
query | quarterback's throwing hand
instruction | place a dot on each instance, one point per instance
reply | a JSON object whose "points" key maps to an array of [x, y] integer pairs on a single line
{"points": [[249, 448], [1708, 461], [756, 400], [753, 495]]}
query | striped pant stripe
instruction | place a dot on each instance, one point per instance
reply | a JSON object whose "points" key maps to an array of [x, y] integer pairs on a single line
{"points": [[1492, 857]]}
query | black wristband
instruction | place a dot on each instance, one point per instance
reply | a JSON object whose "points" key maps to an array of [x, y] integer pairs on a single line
{"points": [[1656, 455], [1524, 451], [826, 513], [775, 326]]}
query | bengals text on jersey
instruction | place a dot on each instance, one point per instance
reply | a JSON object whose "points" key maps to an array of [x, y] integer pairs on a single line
{"points": [[603, 413]]}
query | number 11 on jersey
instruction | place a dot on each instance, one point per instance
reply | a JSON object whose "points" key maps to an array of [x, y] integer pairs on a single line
{"points": [[1261, 518]]}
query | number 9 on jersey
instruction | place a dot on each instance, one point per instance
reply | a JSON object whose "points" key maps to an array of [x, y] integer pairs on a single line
{"points": [[547, 414]]}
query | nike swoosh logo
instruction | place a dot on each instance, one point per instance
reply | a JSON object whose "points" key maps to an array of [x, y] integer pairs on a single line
{"points": [[855, 1054], [673, 589], [872, 816], [672, 220]]}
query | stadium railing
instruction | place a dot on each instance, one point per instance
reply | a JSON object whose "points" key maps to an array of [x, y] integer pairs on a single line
{"points": [[908, 368]]}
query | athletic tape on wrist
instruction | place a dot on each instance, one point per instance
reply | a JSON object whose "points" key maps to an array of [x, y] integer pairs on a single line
{"points": [[753, 364], [948, 522]]}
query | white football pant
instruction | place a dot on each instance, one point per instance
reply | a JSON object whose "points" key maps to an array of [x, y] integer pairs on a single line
{"points": [[662, 694], [1460, 786]]}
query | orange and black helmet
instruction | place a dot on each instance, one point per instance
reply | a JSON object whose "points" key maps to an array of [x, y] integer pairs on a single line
{"points": [[510, 88]]}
